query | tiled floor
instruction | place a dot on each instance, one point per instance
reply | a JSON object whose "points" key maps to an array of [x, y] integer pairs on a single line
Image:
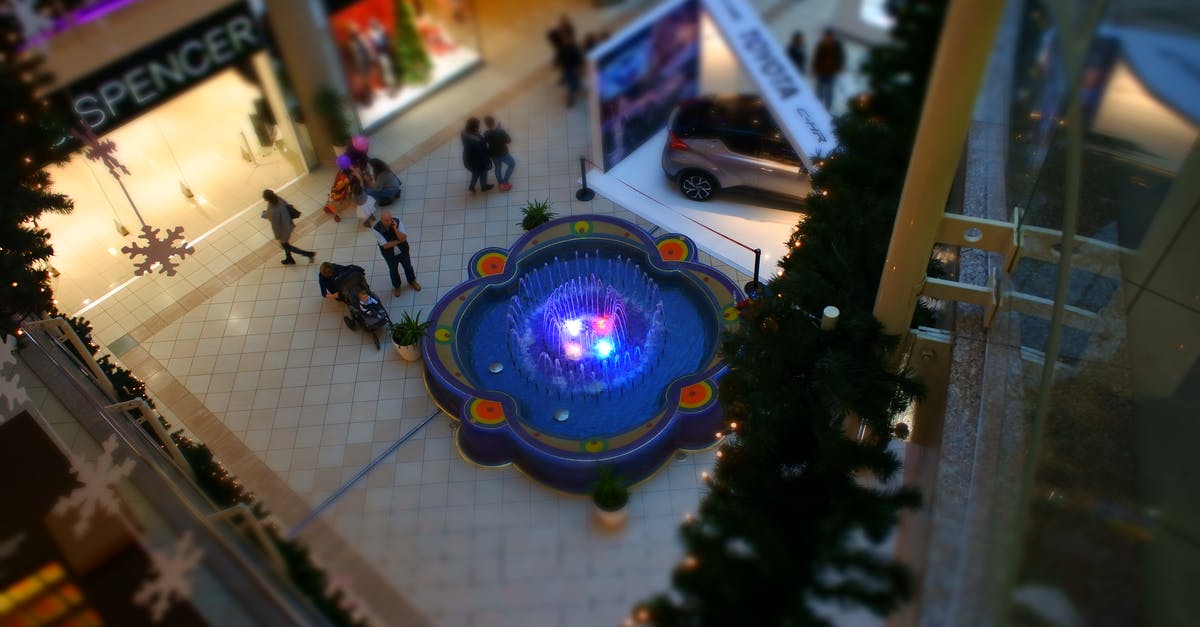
{"points": [[242, 351], [317, 402]]}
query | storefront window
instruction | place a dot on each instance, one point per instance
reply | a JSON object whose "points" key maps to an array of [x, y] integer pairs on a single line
{"points": [[185, 130], [393, 52]]}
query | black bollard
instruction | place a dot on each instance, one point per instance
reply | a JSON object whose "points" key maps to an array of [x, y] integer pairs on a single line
{"points": [[584, 193]]}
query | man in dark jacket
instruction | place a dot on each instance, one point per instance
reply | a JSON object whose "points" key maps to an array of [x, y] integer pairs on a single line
{"points": [[332, 276], [497, 140], [828, 60], [570, 59]]}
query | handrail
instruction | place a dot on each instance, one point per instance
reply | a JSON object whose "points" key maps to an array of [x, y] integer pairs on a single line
{"points": [[68, 333], [178, 502], [242, 517], [148, 416]]}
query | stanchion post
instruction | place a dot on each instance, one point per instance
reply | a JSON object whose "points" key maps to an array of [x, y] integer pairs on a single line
{"points": [[754, 287], [584, 193]]}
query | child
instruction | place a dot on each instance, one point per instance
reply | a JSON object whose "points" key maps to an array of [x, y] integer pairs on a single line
{"points": [[372, 311], [338, 194]]}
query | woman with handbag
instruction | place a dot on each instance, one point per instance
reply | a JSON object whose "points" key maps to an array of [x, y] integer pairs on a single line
{"points": [[282, 216]]}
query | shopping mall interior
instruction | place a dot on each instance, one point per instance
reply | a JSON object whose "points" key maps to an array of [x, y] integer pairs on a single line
{"points": [[266, 456]]}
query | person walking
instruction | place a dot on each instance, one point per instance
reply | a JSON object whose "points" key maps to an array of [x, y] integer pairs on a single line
{"points": [[828, 60], [475, 156], [555, 36], [393, 245], [282, 216], [497, 140], [570, 60], [385, 185], [797, 52]]}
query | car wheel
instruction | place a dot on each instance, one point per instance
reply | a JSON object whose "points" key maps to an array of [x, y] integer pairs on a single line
{"points": [[697, 186]]}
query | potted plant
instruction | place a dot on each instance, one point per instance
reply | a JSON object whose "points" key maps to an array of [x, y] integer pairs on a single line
{"points": [[609, 498], [536, 213], [331, 105], [407, 334]]}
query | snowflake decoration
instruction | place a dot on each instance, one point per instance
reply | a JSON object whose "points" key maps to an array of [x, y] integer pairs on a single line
{"points": [[98, 480], [170, 581], [32, 22], [104, 151], [159, 251], [9, 547], [12, 394]]}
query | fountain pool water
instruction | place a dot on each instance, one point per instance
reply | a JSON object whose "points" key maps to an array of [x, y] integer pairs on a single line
{"points": [[589, 343]]}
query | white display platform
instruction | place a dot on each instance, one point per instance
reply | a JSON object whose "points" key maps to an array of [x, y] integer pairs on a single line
{"points": [[638, 184]]}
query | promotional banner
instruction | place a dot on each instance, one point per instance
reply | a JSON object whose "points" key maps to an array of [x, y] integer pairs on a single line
{"points": [[791, 100], [642, 73]]}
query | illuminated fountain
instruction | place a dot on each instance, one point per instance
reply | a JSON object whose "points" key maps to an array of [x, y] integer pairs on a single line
{"points": [[574, 332], [587, 344]]}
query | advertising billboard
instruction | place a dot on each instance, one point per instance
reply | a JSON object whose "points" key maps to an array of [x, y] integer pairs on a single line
{"points": [[642, 73]]}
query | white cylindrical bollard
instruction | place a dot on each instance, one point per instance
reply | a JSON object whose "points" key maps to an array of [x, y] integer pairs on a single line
{"points": [[829, 318]]}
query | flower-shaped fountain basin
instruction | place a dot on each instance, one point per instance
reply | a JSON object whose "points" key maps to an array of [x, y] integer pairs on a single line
{"points": [[589, 343]]}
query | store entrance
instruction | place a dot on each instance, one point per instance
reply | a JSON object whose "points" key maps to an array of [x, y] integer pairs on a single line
{"points": [[219, 142]]}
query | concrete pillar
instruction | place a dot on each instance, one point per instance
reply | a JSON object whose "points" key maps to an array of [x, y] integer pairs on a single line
{"points": [[966, 40], [301, 32]]}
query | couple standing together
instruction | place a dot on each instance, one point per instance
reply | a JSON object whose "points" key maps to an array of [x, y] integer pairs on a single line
{"points": [[483, 151]]}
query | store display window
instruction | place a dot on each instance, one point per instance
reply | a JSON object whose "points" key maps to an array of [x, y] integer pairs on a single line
{"points": [[393, 52]]}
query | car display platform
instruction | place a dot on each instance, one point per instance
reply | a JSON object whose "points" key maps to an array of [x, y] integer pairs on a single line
{"points": [[722, 227]]}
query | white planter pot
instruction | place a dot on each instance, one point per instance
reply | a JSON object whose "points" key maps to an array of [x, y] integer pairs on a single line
{"points": [[409, 352], [611, 520]]}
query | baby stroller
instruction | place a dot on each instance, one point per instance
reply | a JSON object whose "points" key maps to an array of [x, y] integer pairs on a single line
{"points": [[367, 313]]}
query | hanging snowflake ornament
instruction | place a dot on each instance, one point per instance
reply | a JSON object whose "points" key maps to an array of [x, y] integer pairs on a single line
{"points": [[102, 150], [169, 583], [159, 251], [12, 393], [96, 492], [8, 549], [10, 545]]}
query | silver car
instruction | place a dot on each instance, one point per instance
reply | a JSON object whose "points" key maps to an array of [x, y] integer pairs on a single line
{"points": [[717, 142]]}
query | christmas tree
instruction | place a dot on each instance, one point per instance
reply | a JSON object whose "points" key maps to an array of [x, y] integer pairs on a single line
{"points": [[32, 140], [798, 504], [408, 52]]}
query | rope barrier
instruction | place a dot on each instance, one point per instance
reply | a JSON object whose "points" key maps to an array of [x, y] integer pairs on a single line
{"points": [[752, 286], [668, 207]]}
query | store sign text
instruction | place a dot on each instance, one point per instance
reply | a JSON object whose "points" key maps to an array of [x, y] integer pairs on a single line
{"points": [[123, 90]]}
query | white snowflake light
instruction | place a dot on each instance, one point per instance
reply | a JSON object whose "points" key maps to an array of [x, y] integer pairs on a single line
{"points": [[170, 580], [12, 393], [159, 251], [98, 480], [10, 545]]}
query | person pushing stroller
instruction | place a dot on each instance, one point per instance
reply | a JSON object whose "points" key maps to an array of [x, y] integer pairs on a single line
{"points": [[349, 284]]}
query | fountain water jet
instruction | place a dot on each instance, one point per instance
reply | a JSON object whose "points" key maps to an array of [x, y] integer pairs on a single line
{"points": [[583, 333]]}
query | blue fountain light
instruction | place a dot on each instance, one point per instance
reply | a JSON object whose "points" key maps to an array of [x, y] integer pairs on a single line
{"points": [[580, 332]]}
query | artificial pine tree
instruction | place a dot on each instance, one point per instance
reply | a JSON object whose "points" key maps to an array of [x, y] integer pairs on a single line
{"points": [[789, 531], [31, 141], [408, 52]]}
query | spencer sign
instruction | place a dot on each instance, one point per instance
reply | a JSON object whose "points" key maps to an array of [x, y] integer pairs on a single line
{"points": [[122, 90]]}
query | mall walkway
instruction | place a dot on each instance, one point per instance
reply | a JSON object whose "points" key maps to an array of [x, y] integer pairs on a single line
{"points": [[328, 430]]}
